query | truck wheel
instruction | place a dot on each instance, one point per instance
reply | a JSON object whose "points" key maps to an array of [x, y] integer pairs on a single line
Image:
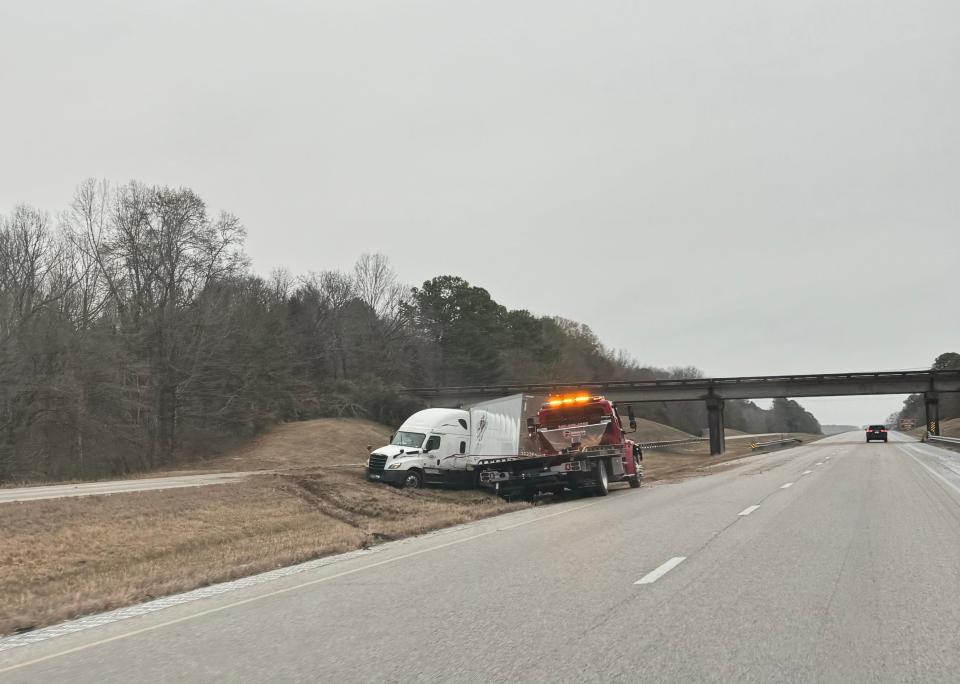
{"points": [[412, 480], [603, 481], [634, 480]]}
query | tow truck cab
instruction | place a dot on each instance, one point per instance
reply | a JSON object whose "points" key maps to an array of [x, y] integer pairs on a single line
{"points": [[579, 422], [589, 432]]}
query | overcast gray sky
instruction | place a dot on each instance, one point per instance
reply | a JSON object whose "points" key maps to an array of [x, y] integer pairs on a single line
{"points": [[750, 187]]}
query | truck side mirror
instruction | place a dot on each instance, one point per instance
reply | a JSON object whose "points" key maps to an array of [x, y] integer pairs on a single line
{"points": [[633, 418]]}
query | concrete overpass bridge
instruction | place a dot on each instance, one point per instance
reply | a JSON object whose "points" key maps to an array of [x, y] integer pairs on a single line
{"points": [[713, 391]]}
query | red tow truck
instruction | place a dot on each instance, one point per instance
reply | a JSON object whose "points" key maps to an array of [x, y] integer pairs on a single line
{"points": [[579, 444]]}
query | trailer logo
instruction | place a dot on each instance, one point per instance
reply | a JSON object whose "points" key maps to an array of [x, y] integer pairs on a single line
{"points": [[481, 428]]}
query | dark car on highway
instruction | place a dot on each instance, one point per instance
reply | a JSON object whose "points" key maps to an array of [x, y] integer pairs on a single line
{"points": [[877, 433]]}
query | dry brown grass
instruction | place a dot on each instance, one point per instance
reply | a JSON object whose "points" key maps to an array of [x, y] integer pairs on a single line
{"points": [[68, 557], [307, 444], [682, 462], [650, 431], [948, 428]]}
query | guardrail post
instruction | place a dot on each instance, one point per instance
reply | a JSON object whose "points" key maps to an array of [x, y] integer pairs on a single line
{"points": [[932, 403], [718, 442]]}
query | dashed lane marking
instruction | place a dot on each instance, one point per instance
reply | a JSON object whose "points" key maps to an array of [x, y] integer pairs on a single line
{"points": [[748, 510], [786, 486], [654, 575]]}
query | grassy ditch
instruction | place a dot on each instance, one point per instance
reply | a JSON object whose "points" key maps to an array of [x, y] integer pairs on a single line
{"points": [[63, 558]]}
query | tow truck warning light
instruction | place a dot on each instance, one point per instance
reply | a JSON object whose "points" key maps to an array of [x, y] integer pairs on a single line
{"points": [[553, 402]]}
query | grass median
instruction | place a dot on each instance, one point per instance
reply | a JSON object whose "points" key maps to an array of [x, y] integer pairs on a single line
{"points": [[63, 558]]}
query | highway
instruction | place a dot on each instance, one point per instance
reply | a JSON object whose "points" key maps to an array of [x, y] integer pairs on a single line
{"points": [[145, 484], [833, 561]]}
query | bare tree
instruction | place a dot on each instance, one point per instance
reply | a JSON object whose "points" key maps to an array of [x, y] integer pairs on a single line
{"points": [[33, 282], [377, 285], [156, 254], [280, 285]]}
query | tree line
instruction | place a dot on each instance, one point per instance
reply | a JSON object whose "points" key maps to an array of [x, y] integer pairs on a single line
{"points": [[133, 335], [914, 407]]}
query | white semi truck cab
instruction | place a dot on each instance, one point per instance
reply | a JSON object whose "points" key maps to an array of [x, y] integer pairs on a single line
{"points": [[428, 442], [442, 445]]}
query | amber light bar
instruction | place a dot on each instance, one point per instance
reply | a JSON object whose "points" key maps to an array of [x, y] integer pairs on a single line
{"points": [[554, 402]]}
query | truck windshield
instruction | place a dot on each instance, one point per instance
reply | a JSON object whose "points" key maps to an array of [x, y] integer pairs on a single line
{"points": [[408, 439]]}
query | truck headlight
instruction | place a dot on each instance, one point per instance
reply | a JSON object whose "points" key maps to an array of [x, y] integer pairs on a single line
{"points": [[394, 466]]}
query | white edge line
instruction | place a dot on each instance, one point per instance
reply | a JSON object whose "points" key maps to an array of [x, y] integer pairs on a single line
{"points": [[935, 473], [654, 575], [785, 486], [748, 510]]}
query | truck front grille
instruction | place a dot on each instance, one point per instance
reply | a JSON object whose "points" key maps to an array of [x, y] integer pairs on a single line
{"points": [[377, 462]]}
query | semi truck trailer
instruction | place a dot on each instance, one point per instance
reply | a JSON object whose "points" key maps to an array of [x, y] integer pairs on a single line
{"points": [[519, 445]]}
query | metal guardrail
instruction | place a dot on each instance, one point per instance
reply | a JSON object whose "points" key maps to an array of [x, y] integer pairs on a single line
{"points": [[672, 442], [945, 440], [775, 442], [696, 440]]}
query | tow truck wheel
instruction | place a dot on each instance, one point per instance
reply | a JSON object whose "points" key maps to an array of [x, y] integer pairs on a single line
{"points": [[634, 480], [603, 482], [412, 480]]}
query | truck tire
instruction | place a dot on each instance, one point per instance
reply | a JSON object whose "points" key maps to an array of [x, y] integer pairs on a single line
{"points": [[634, 480], [413, 479], [603, 480]]}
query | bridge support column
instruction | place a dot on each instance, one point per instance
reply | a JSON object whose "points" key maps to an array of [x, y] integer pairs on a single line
{"points": [[718, 442], [932, 403]]}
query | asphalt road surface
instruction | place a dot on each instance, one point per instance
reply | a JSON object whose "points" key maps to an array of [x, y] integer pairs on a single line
{"points": [[835, 561], [115, 486]]}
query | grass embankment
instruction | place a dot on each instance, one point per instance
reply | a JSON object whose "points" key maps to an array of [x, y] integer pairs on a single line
{"points": [[948, 428], [63, 558]]}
